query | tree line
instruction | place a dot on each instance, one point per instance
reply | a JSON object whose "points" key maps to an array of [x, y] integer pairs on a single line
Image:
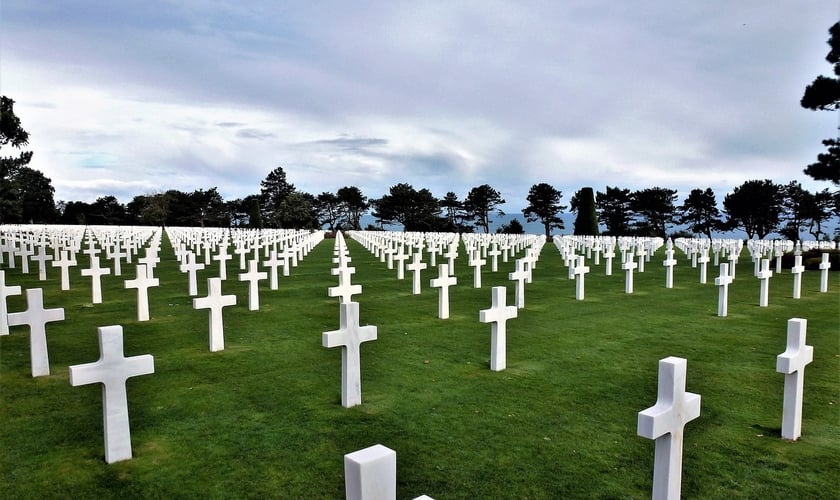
{"points": [[758, 207]]}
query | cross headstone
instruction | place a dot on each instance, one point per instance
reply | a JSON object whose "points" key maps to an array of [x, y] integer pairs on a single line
{"points": [[497, 315], [609, 253], [669, 264], [443, 281], [416, 266], [253, 278], [825, 265], [5, 291], [37, 318], [703, 260], [476, 264], [580, 272], [272, 264], [345, 288], [190, 267], [215, 301], [722, 282], [64, 263], [519, 275], [664, 422], [797, 271], [400, 257], [792, 363], [223, 257], [112, 370], [142, 284], [764, 275], [628, 266], [41, 258], [95, 272], [349, 336], [641, 252], [494, 253]]}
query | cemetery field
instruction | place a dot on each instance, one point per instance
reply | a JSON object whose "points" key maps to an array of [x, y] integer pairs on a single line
{"points": [[263, 418]]}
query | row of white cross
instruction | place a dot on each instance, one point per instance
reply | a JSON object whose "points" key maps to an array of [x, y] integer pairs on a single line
{"points": [[663, 422], [371, 472]]}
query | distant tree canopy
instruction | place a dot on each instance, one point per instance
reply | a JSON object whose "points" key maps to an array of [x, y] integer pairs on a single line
{"points": [[614, 210], [700, 212], [25, 194], [512, 227], [758, 207], [823, 94], [544, 206], [755, 207], [480, 203]]}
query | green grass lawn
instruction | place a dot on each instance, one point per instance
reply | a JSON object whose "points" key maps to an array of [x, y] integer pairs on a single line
{"points": [[263, 418]]}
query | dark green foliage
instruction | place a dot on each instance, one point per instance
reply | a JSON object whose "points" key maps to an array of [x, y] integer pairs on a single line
{"points": [[614, 210], [512, 227], [274, 189], [700, 212], [353, 204], [415, 210], [480, 202], [586, 220], [824, 94], [544, 206], [755, 206], [653, 209], [827, 167]]}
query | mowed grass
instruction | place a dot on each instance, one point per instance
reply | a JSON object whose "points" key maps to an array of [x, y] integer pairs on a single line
{"points": [[263, 418]]}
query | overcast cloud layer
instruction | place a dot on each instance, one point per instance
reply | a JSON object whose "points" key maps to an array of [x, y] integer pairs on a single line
{"points": [[137, 97]]}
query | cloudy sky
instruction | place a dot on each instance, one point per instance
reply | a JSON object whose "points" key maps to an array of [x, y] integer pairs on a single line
{"points": [[135, 97]]}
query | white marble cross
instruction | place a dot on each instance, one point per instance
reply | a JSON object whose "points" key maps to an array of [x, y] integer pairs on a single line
{"points": [[609, 253], [400, 257], [494, 253], [664, 422], [215, 301], [112, 370], [629, 265], [65, 262], [497, 315], [703, 260], [792, 363], [443, 281], [797, 271], [223, 257], [519, 275], [142, 284], [415, 266], [764, 275], [253, 278], [272, 264], [41, 258], [580, 272], [825, 265], [5, 291], [190, 267], [641, 252], [95, 272], [37, 318], [669, 264], [345, 288], [476, 264], [722, 282], [349, 337]]}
